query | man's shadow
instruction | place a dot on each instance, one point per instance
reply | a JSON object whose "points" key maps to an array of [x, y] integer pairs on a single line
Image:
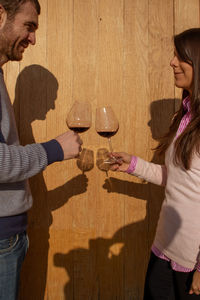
{"points": [[35, 94], [111, 268], [114, 268]]}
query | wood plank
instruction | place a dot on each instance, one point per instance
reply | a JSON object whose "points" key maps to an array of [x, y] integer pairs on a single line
{"points": [[109, 206], [60, 183], [135, 115]]}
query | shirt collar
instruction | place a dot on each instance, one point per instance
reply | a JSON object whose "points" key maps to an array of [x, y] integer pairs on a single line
{"points": [[187, 104]]}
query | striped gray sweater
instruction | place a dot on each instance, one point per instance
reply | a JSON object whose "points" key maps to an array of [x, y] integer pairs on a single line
{"points": [[18, 163]]}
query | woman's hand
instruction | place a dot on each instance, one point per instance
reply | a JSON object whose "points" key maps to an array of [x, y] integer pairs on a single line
{"points": [[195, 286], [123, 161]]}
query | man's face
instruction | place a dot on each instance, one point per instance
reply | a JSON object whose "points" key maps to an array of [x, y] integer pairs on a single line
{"points": [[19, 32]]}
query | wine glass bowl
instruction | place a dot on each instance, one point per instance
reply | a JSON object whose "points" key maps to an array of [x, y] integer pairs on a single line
{"points": [[107, 124], [79, 118]]}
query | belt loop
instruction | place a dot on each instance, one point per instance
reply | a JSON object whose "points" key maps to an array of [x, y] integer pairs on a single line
{"points": [[17, 238]]}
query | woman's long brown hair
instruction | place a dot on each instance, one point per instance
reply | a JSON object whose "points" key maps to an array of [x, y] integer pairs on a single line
{"points": [[187, 45]]}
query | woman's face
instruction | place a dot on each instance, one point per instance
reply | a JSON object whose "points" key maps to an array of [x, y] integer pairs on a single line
{"points": [[183, 73]]}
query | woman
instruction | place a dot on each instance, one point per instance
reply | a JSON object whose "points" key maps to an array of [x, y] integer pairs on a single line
{"points": [[174, 265]]}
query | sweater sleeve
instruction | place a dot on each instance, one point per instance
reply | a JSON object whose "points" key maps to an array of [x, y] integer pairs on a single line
{"points": [[54, 151], [150, 172], [18, 163]]}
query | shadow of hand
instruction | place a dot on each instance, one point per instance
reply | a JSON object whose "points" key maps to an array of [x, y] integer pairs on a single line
{"points": [[75, 186], [132, 189]]}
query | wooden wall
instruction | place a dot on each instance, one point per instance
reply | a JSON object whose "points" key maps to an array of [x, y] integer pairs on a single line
{"points": [[90, 235]]}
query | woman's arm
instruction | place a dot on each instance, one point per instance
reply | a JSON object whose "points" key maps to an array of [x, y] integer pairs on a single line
{"points": [[151, 172], [138, 167]]}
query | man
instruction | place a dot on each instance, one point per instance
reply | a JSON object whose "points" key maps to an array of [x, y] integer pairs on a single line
{"points": [[18, 23]]}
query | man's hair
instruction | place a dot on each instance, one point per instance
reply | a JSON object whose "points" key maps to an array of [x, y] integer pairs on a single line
{"points": [[13, 6]]}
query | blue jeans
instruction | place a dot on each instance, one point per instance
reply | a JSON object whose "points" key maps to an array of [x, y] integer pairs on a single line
{"points": [[12, 254]]}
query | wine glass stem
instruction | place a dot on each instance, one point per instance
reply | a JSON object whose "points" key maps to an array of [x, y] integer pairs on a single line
{"points": [[110, 145]]}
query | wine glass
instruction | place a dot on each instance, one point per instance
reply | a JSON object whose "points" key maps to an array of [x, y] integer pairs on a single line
{"points": [[107, 126], [79, 118]]}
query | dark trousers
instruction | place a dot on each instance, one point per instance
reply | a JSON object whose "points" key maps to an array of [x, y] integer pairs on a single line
{"points": [[163, 283]]}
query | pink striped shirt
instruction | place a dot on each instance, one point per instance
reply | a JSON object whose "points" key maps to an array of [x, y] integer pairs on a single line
{"points": [[183, 124]]}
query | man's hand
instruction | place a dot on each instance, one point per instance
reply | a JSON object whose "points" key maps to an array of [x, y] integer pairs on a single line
{"points": [[195, 286], [70, 143]]}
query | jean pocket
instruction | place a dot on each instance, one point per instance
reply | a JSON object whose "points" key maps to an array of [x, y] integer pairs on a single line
{"points": [[8, 244]]}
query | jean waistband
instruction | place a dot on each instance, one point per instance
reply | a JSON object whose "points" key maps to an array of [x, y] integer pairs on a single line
{"points": [[18, 235], [9, 226]]}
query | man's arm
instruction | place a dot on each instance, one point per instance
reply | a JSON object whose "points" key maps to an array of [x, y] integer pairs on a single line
{"points": [[22, 162]]}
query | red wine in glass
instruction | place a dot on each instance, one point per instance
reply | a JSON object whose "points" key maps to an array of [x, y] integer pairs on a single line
{"points": [[79, 129], [107, 125], [107, 134]]}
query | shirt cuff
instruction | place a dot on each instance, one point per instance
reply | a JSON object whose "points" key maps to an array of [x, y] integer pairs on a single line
{"points": [[54, 151], [198, 267], [132, 165]]}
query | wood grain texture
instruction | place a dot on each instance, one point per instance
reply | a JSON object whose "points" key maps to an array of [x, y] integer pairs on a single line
{"points": [[136, 100], [90, 234]]}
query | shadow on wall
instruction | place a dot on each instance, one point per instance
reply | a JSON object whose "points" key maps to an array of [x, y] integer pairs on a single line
{"points": [[115, 268], [108, 270], [111, 268], [35, 94]]}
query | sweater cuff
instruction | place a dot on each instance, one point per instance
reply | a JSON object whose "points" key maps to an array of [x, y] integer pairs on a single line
{"points": [[54, 151], [132, 165]]}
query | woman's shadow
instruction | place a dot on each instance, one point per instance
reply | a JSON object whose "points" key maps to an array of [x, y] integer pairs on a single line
{"points": [[35, 94], [161, 112], [114, 268]]}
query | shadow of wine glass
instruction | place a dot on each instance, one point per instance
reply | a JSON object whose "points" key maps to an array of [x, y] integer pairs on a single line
{"points": [[85, 161]]}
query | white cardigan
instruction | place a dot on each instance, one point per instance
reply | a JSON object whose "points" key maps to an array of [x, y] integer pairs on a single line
{"points": [[178, 230]]}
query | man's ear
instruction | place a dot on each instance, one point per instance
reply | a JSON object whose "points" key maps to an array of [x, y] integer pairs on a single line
{"points": [[3, 16]]}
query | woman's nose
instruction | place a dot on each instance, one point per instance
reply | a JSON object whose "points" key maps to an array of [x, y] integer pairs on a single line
{"points": [[174, 62]]}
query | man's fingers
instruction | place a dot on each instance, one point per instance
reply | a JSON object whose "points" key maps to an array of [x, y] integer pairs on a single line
{"points": [[79, 140]]}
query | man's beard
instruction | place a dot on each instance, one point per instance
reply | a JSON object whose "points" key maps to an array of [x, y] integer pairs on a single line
{"points": [[8, 47], [14, 54]]}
